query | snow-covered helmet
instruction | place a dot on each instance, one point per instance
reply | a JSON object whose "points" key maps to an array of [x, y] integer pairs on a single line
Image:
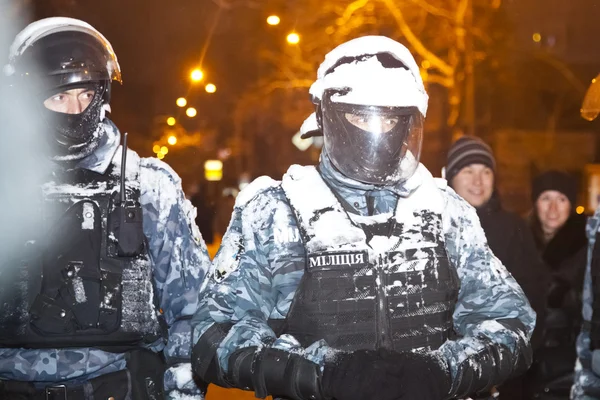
{"points": [[370, 106], [56, 54]]}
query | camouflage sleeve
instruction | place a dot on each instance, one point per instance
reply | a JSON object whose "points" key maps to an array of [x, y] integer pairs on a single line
{"points": [[179, 255], [255, 274], [492, 318], [586, 385]]}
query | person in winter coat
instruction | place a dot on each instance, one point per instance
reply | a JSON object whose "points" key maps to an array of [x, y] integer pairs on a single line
{"points": [[587, 368], [363, 277], [560, 237], [470, 171], [97, 303]]}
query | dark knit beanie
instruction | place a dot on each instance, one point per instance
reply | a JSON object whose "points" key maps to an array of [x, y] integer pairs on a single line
{"points": [[466, 151], [554, 180]]}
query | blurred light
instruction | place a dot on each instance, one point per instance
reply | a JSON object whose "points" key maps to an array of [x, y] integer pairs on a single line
{"points": [[171, 121], [191, 112], [160, 156], [580, 210], [293, 38], [164, 150], [210, 88], [594, 80], [197, 75], [181, 102], [537, 37], [172, 140], [273, 20], [426, 64], [213, 170], [213, 165], [156, 148], [301, 144]]}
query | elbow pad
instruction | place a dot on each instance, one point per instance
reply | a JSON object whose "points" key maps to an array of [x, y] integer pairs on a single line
{"points": [[275, 372], [205, 362]]}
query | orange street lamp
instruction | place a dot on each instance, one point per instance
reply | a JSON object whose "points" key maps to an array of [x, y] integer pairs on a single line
{"points": [[181, 102], [197, 75], [164, 149], [171, 121], [156, 148], [293, 38], [210, 88], [273, 20], [172, 140], [191, 112]]}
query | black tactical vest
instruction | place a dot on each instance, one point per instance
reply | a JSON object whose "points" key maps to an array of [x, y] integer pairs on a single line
{"points": [[85, 280], [355, 296]]}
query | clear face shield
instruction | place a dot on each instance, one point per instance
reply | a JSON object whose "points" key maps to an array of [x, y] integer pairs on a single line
{"points": [[372, 144]]}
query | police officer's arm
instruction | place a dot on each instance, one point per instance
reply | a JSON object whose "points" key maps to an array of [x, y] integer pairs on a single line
{"points": [[586, 385], [492, 317], [180, 263], [256, 277]]}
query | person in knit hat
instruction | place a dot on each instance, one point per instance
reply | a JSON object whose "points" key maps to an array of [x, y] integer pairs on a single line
{"points": [[470, 170], [561, 242]]}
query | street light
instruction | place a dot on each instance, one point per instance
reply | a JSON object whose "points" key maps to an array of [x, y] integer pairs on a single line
{"points": [[213, 170], [156, 148], [293, 38], [181, 102], [197, 75], [171, 121], [210, 88], [172, 140], [537, 37], [164, 149], [191, 112], [273, 20], [160, 156]]}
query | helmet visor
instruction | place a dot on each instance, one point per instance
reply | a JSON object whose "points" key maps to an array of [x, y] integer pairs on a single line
{"points": [[372, 144]]}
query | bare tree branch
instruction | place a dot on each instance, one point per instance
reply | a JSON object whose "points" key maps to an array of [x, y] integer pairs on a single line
{"points": [[416, 44], [433, 10]]}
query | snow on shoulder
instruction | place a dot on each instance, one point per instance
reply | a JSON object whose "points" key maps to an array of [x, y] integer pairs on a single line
{"points": [[255, 187]]}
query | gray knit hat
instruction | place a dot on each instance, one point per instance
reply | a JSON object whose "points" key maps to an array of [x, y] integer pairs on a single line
{"points": [[466, 151]]}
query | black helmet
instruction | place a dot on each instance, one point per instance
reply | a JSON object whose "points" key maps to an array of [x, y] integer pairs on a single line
{"points": [[54, 55]]}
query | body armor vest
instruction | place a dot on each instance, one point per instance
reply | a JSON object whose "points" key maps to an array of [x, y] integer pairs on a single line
{"points": [[371, 282], [86, 279]]}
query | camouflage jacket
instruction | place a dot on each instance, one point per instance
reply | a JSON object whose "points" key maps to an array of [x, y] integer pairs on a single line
{"points": [[180, 263], [587, 383], [262, 260]]}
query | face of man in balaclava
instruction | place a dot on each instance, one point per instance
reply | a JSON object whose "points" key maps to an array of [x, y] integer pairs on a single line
{"points": [[73, 101]]}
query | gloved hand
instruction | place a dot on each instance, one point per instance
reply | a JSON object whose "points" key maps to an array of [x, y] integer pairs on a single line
{"points": [[386, 375]]}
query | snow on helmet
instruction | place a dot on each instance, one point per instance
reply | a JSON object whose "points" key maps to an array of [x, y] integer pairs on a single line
{"points": [[370, 106]]}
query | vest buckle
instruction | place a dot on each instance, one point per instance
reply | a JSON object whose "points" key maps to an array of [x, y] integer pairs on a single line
{"points": [[56, 392]]}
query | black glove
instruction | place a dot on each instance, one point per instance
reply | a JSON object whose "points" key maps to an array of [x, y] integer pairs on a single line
{"points": [[386, 375]]}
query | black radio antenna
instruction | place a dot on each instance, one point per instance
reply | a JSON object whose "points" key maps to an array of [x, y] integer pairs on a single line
{"points": [[123, 168]]}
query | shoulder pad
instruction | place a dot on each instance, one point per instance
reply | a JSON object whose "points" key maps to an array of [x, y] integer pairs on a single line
{"points": [[441, 183], [255, 188], [159, 166]]}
